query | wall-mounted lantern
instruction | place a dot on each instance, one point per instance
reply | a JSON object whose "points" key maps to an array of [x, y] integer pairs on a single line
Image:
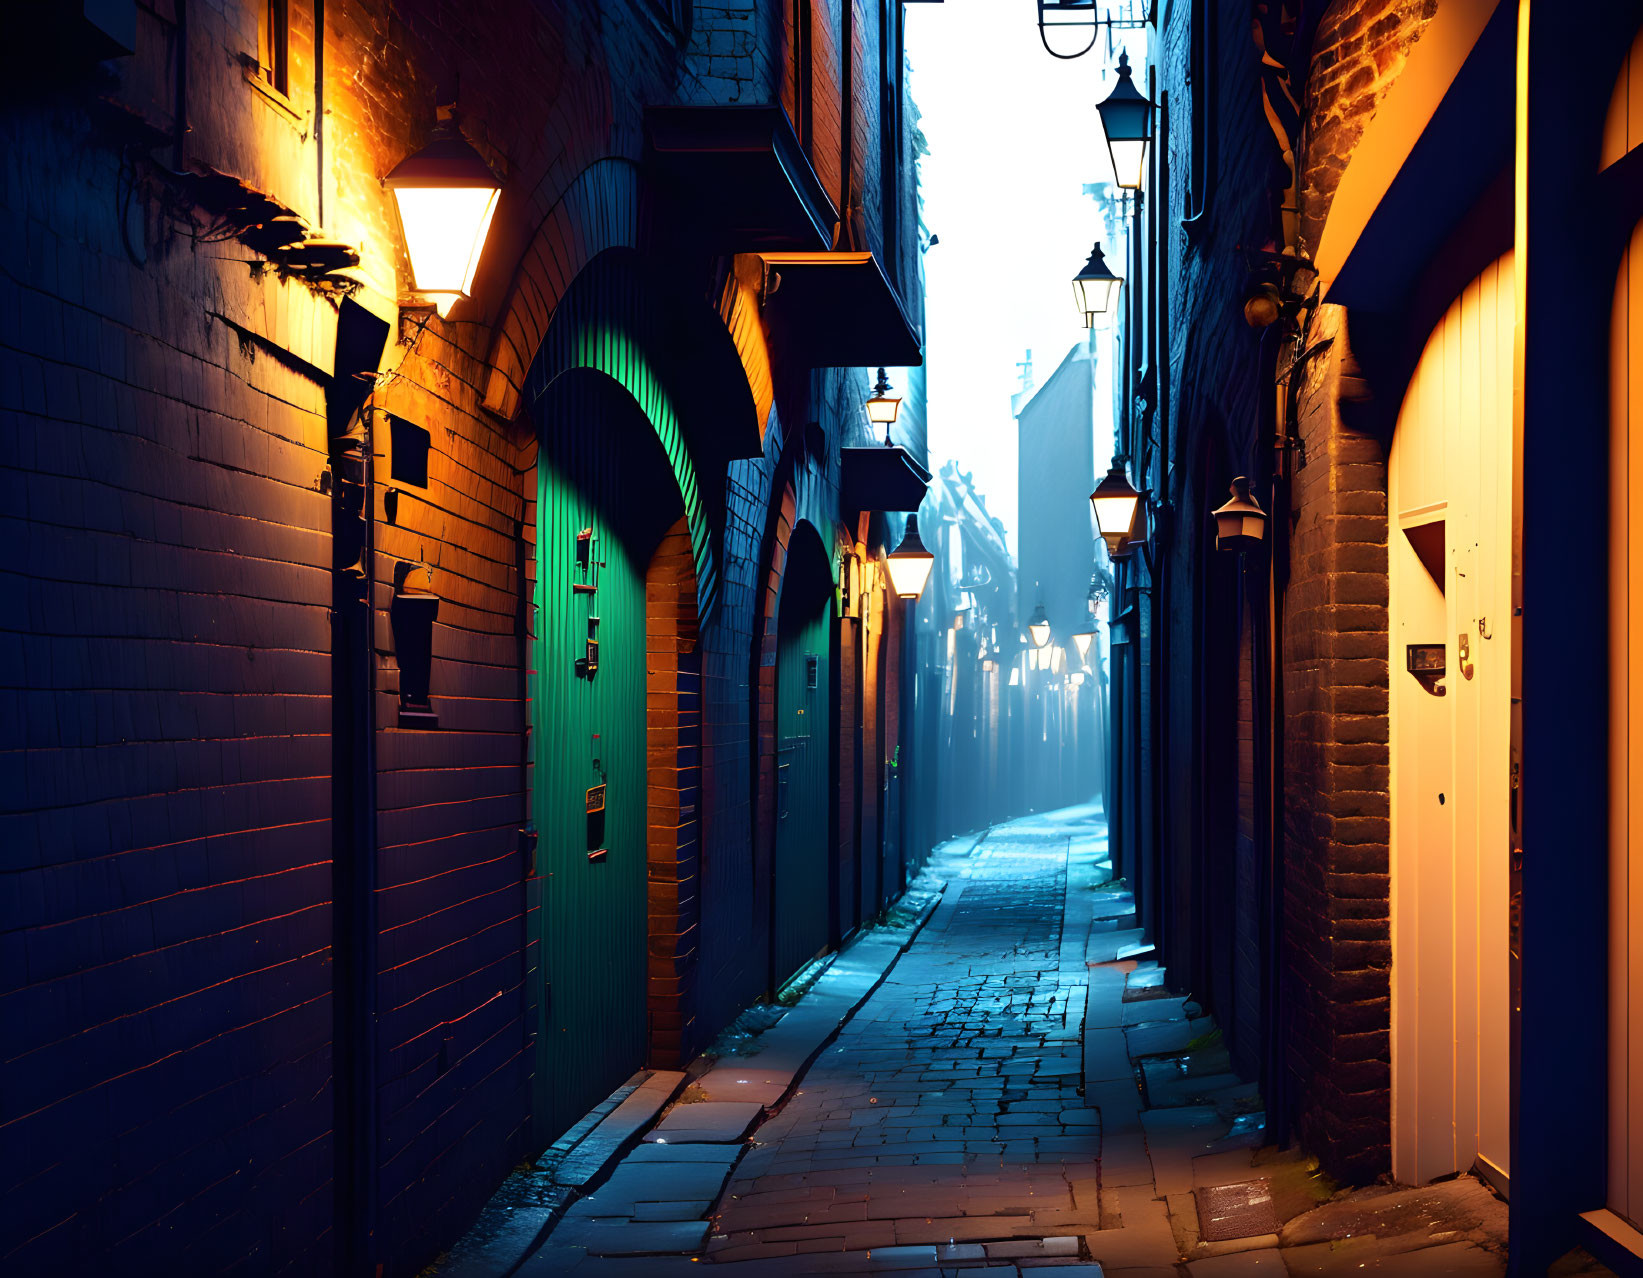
{"points": [[1063, 24], [1095, 286], [1264, 306], [883, 406], [1126, 118], [1115, 500], [910, 563], [1039, 627], [1240, 524], [446, 195]]}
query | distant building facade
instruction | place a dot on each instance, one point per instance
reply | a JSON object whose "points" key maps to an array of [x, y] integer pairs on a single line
{"points": [[1056, 545]]}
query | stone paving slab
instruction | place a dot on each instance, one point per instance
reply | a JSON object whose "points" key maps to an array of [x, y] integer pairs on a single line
{"points": [[706, 1122], [676, 1154], [618, 1129], [631, 1238], [632, 1184]]}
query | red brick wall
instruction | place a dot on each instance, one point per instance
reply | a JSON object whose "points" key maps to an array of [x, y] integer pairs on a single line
{"points": [[1336, 817], [674, 740], [1337, 814], [1360, 47]]}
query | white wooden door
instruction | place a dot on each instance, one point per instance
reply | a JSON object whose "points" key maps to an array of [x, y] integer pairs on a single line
{"points": [[1450, 560]]}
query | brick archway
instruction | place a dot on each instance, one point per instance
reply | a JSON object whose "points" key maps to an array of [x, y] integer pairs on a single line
{"points": [[604, 208], [623, 317], [598, 210]]}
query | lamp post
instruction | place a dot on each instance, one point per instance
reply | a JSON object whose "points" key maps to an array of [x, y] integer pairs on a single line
{"points": [[446, 196], [883, 407], [1095, 286], [1126, 119], [910, 562], [1115, 500]]}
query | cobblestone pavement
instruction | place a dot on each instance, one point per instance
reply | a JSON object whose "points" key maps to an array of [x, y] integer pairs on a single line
{"points": [[947, 1114], [1021, 1090]]}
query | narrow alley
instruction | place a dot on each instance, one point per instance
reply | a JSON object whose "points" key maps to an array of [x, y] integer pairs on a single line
{"points": [[1012, 1086], [648, 637]]}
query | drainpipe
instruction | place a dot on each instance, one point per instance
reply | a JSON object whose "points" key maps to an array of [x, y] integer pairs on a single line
{"points": [[1279, 413], [354, 850], [361, 337]]}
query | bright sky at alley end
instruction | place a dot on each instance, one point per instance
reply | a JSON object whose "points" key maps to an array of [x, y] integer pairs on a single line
{"points": [[1013, 138]]}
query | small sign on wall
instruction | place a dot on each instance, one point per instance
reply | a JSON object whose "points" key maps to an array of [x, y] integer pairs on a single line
{"points": [[596, 818]]}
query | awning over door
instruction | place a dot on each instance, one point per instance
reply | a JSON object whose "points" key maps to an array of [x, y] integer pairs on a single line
{"points": [[839, 310], [881, 478], [743, 174], [1443, 134]]}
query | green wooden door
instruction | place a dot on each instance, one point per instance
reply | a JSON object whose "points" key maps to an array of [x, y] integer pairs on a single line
{"points": [[803, 750], [596, 475]]}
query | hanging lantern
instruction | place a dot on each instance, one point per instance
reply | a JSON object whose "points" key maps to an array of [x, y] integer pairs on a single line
{"points": [[910, 563], [1126, 118], [1095, 287], [1062, 25], [446, 195], [1115, 500], [1240, 524], [883, 406], [1039, 627]]}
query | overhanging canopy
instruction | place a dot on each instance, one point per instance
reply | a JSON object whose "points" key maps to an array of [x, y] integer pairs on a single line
{"points": [[746, 175], [1441, 136], [840, 311], [881, 478]]}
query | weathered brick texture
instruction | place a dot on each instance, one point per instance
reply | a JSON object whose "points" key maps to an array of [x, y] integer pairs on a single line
{"points": [[1336, 814], [1359, 49]]}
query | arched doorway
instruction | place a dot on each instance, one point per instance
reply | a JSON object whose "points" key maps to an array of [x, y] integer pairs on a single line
{"points": [[613, 566], [803, 884], [1451, 550]]}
